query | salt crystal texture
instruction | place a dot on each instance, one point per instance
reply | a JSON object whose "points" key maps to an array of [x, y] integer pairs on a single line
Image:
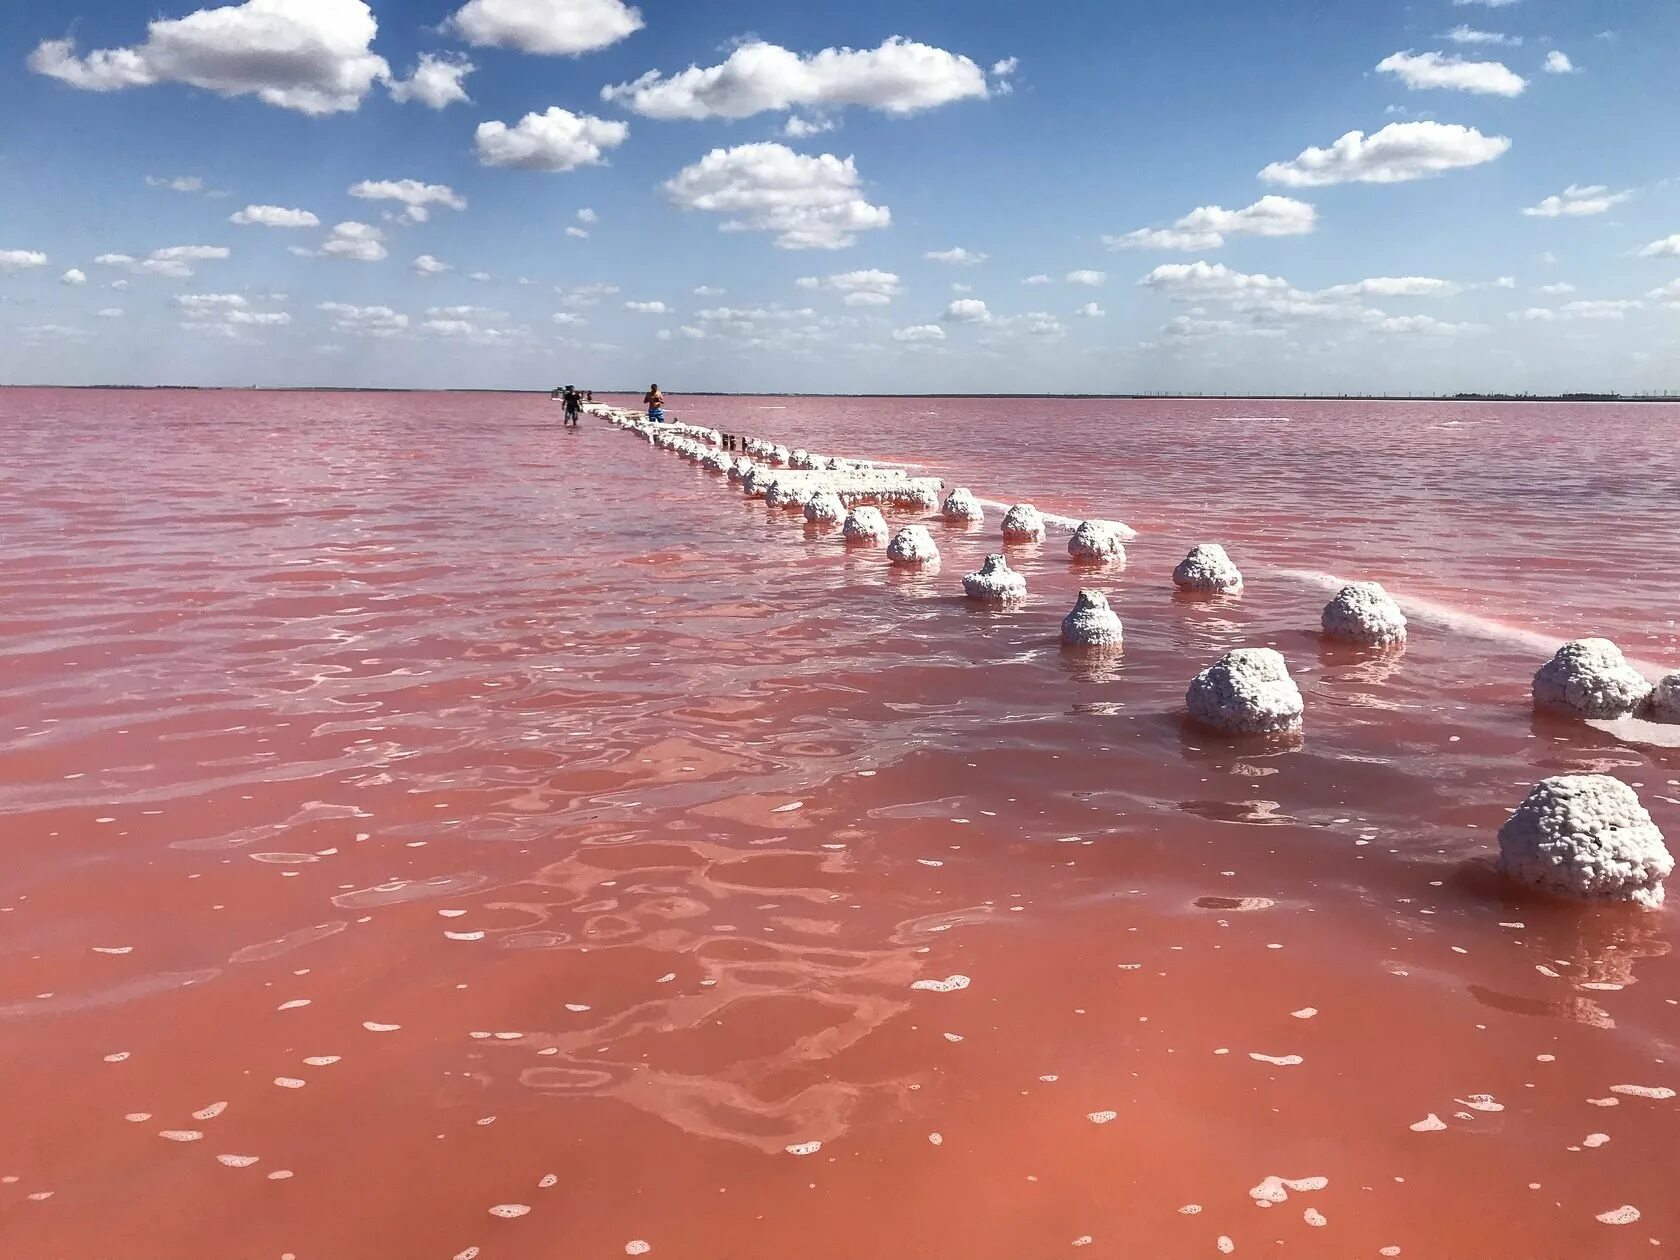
{"points": [[865, 524], [1663, 704], [1246, 692], [716, 461], [913, 545], [740, 468], [1590, 678], [1092, 623], [1022, 523], [995, 581], [824, 508], [1586, 836], [1207, 568], [1097, 542], [1364, 613], [960, 505]]}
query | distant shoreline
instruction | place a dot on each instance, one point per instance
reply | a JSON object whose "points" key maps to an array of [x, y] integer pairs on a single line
{"points": [[1673, 398]]}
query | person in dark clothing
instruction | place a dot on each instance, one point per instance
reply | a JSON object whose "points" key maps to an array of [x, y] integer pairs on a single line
{"points": [[574, 405]]}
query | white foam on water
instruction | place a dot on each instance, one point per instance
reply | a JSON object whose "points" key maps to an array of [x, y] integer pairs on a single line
{"points": [[938, 1139], [471, 1253], [636, 1247], [293, 1005], [549, 1179], [113, 949], [181, 1135], [1190, 1209], [289, 1082], [237, 1161], [138, 1117], [1279, 1060], [1659, 1092], [465, 936], [1276, 1189], [211, 1112], [1431, 1123], [1480, 1102], [1306, 1012], [1315, 1218], [803, 1148], [951, 984], [373, 1027], [1594, 1140], [1627, 1214], [322, 1060], [576, 1007], [1102, 1117], [119, 1057], [1225, 1245], [510, 1211]]}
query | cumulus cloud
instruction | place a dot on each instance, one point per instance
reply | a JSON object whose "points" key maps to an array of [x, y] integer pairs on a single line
{"points": [[1090, 279], [1578, 200], [438, 81], [356, 242], [556, 28], [1668, 294], [810, 202], [648, 308], [1208, 227], [1559, 63], [173, 261], [956, 256], [1591, 310], [858, 288], [566, 319], [920, 332], [426, 265], [75, 278], [1668, 247], [577, 233], [417, 198], [1040, 278], [274, 217], [1091, 311], [1205, 279], [312, 56], [797, 128], [706, 290], [1558, 289], [1427, 325], [900, 77], [1042, 324], [21, 259], [555, 140], [966, 311], [365, 321], [1395, 286], [1469, 35], [1437, 70], [586, 215], [1397, 153]]}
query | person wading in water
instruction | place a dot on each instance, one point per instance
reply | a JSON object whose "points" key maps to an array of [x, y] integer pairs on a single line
{"points": [[655, 403], [574, 405]]}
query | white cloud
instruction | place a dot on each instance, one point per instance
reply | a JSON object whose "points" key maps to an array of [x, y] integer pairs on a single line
{"points": [[956, 256], [861, 288], [1487, 4], [367, 321], [1091, 311], [75, 278], [706, 290], [1207, 227], [1469, 35], [417, 198], [1205, 279], [1042, 324], [966, 311], [1668, 247], [1397, 153], [1556, 290], [1040, 278], [438, 81], [210, 303], [1578, 200], [558, 28], [568, 320], [957, 286], [20, 259], [588, 294], [809, 202], [797, 128], [648, 308], [1090, 279], [274, 217], [481, 277], [692, 333], [110, 312], [1591, 310], [312, 56], [426, 265], [1008, 66], [173, 261], [359, 242], [1394, 286], [259, 319], [900, 77], [177, 183], [1437, 70], [1421, 324], [1669, 292], [1559, 63], [920, 332], [577, 233], [586, 215], [555, 140]]}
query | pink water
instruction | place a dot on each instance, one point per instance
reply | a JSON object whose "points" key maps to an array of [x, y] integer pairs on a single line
{"points": [[494, 817]]}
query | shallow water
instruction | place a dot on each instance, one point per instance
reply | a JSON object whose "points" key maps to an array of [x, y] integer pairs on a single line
{"points": [[426, 829]]}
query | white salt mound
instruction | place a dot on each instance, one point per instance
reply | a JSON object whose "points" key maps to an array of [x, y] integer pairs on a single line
{"points": [[913, 545], [716, 461], [780, 454], [1590, 678], [1092, 623], [918, 495], [1022, 523], [865, 524], [1663, 704], [995, 581], [740, 468], [1586, 836], [961, 505], [1364, 613], [778, 493], [1096, 541], [1207, 568], [756, 481], [824, 508], [1246, 692]]}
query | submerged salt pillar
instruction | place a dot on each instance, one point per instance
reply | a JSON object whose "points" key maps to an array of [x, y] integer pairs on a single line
{"points": [[960, 505], [865, 524], [921, 495], [1663, 704], [1092, 623], [1586, 836], [913, 546], [1097, 542], [717, 461], [1364, 613], [1022, 523], [740, 468], [1207, 568], [824, 508], [1590, 678], [996, 581], [1247, 692]]}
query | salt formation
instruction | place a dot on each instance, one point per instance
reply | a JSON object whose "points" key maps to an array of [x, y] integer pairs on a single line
{"points": [[824, 508], [1208, 568], [960, 505], [1590, 678], [1663, 704], [799, 458], [1364, 613], [921, 494], [1092, 623], [740, 468], [1586, 836], [756, 481], [1095, 541], [913, 545], [865, 524], [1022, 523], [717, 461], [1246, 692], [780, 454], [995, 581], [779, 493]]}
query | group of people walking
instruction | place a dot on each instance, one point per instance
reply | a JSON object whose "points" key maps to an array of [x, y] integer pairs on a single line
{"points": [[573, 399]]}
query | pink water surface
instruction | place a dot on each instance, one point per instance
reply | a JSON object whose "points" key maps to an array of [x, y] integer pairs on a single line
{"points": [[440, 814]]}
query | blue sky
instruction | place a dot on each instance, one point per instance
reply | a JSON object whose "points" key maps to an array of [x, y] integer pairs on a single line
{"points": [[1216, 197]]}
